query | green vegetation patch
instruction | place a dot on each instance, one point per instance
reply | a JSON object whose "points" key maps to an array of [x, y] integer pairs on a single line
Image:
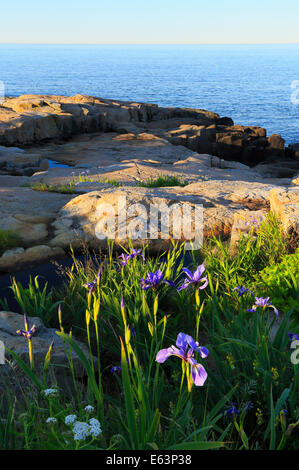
{"points": [[163, 182], [8, 239], [192, 351], [68, 188]]}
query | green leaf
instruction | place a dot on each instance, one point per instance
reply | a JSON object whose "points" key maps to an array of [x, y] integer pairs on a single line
{"points": [[129, 401], [275, 411], [197, 445], [272, 424], [86, 364], [26, 369]]}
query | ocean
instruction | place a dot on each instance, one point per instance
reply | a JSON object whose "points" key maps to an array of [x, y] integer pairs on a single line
{"points": [[249, 83]]}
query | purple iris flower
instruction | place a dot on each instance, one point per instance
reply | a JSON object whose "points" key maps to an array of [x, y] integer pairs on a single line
{"points": [[92, 285], [242, 290], [194, 278], [27, 333], [153, 280], [133, 254], [263, 303], [254, 220], [124, 258], [293, 337], [115, 369], [185, 349], [232, 411]]}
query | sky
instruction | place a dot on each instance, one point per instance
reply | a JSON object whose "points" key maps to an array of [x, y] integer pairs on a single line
{"points": [[149, 22]]}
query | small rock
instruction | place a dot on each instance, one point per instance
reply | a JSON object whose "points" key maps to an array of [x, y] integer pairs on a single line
{"points": [[12, 252], [13, 259]]}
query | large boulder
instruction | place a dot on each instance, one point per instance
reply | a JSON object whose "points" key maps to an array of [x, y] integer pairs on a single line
{"points": [[29, 213], [276, 145], [285, 204], [293, 151], [127, 211], [280, 169], [15, 161], [248, 144], [35, 118]]}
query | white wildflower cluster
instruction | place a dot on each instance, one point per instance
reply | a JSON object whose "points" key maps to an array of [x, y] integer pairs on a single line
{"points": [[50, 392], [70, 419], [51, 421], [89, 409], [81, 431], [95, 427]]}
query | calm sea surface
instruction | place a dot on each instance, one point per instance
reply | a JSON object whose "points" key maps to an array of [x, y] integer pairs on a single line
{"points": [[251, 84]]}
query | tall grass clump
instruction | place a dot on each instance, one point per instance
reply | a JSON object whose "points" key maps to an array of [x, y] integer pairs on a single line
{"points": [[163, 182], [184, 352]]}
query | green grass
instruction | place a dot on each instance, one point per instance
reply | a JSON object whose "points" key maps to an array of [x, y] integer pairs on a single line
{"points": [[51, 188], [148, 405], [68, 188], [8, 239], [162, 182], [281, 282], [113, 182]]}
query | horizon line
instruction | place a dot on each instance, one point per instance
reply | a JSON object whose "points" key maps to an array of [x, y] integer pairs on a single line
{"points": [[149, 44]]}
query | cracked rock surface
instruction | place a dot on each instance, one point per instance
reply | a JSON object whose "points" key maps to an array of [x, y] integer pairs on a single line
{"points": [[108, 149]]}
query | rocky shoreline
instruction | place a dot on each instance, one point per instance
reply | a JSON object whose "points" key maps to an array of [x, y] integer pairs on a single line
{"points": [[233, 171], [31, 119]]}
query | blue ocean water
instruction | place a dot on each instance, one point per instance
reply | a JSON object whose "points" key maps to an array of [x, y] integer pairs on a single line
{"points": [[249, 83]]}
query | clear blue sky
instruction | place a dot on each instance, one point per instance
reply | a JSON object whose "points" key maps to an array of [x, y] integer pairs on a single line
{"points": [[150, 21]]}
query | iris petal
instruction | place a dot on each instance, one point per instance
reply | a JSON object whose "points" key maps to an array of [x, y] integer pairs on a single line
{"points": [[198, 273], [198, 374], [205, 284], [169, 283], [182, 341], [164, 354], [275, 310], [159, 275], [185, 284], [204, 352], [192, 343], [189, 273]]}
